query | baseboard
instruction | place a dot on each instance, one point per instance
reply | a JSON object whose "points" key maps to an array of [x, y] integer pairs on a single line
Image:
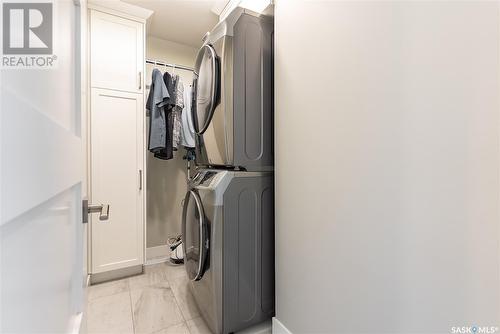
{"points": [[157, 253], [116, 274], [279, 328]]}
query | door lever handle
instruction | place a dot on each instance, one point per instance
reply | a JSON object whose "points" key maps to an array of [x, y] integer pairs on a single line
{"points": [[102, 210]]}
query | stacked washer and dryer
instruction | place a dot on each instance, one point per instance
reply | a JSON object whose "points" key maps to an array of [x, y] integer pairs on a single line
{"points": [[228, 215]]}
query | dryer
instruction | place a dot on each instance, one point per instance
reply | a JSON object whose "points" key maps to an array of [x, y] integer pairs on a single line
{"points": [[228, 236], [233, 94]]}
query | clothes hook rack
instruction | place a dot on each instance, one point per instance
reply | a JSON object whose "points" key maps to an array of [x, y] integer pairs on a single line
{"points": [[175, 66]]}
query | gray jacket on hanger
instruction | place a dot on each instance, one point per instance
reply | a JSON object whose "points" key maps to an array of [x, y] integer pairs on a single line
{"points": [[157, 99]]}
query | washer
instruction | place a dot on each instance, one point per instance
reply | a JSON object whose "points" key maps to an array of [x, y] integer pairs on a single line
{"points": [[228, 236], [233, 94]]}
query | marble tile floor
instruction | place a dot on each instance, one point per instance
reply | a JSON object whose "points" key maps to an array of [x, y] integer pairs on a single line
{"points": [[156, 302]]}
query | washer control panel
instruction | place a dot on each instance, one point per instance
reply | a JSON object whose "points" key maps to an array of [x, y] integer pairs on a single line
{"points": [[207, 178]]}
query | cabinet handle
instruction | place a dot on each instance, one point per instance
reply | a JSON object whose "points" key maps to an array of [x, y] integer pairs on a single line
{"points": [[140, 80], [140, 179]]}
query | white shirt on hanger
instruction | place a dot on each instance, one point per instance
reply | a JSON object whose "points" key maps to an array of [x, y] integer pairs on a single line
{"points": [[187, 128]]}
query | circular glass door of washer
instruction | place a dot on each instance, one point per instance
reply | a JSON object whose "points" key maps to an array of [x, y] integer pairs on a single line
{"points": [[194, 235]]}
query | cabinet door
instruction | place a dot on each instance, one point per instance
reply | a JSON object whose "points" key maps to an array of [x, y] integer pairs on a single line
{"points": [[116, 178], [116, 52]]}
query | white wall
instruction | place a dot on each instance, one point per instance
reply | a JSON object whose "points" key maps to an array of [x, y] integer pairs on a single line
{"points": [[387, 166], [166, 185], [160, 49]]}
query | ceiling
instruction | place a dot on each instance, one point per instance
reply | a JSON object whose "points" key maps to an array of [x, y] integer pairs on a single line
{"points": [[181, 21]]}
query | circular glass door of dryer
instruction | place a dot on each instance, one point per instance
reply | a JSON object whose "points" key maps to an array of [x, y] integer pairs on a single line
{"points": [[205, 88], [194, 236]]}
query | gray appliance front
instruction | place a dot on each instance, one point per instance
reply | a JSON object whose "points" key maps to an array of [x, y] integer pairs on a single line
{"points": [[248, 256], [237, 288], [240, 133]]}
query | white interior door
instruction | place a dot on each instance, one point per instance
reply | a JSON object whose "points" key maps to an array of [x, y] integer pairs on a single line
{"points": [[42, 180], [116, 49], [117, 132]]}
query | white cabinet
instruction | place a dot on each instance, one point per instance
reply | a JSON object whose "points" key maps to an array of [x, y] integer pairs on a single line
{"points": [[117, 122], [116, 52], [117, 143]]}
